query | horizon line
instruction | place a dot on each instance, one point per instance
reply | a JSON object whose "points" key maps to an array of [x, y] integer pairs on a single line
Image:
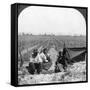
{"points": [[21, 33]]}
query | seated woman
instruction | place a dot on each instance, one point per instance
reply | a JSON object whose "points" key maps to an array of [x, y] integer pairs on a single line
{"points": [[45, 52], [58, 63], [61, 62], [47, 62]]}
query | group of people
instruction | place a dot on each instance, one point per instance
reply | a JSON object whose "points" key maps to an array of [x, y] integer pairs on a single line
{"points": [[37, 59]]}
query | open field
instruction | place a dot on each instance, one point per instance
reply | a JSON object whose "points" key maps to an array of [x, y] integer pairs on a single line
{"points": [[70, 41], [26, 43]]}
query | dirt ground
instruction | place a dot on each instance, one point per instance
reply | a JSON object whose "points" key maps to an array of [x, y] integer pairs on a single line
{"points": [[75, 72]]}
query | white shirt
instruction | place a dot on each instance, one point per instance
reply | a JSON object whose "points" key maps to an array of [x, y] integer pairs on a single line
{"points": [[32, 59], [44, 58], [38, 59]]}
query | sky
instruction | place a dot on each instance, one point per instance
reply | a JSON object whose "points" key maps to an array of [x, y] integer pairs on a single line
{"points": [[51, 20]]}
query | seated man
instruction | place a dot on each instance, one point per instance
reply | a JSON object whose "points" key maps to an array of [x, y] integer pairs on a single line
{"points": [[31, 67]]}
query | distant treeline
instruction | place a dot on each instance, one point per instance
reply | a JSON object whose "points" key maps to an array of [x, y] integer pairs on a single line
{"points": [[30, 34]]}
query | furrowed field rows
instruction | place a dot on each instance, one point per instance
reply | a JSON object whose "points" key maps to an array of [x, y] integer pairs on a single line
{"points": [[38, 42]]}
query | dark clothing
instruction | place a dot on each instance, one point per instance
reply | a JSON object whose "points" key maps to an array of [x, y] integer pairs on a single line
{"points": [[63, 61], [31, 68], [59, 68], [34, 67], [38, 67]]}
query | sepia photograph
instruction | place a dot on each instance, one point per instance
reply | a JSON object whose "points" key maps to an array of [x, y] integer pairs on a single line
{"points": [[52, 44]]}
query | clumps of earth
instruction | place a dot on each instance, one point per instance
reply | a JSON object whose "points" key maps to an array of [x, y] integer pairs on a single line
{"points": [[76, 72]]}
